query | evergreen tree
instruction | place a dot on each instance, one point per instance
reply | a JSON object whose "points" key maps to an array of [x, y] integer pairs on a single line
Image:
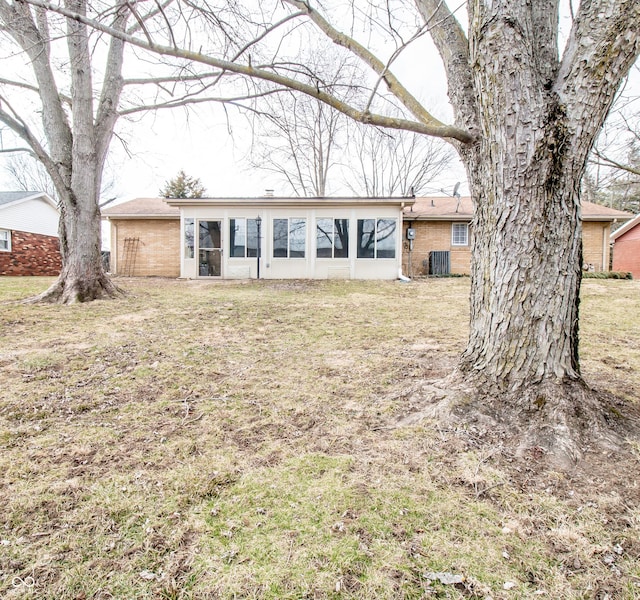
{"points": [[183, 186]]}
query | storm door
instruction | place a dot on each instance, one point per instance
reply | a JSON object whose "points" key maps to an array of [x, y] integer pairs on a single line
{"points": [[209, 248]]}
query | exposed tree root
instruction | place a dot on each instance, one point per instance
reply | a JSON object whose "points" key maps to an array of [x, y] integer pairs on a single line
{"points": [[71, 290], [562, 421]]}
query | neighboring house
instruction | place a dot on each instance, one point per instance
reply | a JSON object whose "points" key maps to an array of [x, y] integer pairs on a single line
{"points": [[442, 235], [145, 238], [29, 243], [300, 238], [626, 248]]}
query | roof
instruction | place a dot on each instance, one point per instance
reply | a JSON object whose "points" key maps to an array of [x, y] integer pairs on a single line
{"points": [[270, 201], [447, 208], [168, 208], [7, 198], [142, 208], [598, 212], [626, 227], [441, 208]]}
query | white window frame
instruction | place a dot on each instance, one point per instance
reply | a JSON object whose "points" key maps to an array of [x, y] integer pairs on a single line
{"points": [[5, 237], [376, 246], [456, 228], [247, 253], [290, 231], [332, 238]]}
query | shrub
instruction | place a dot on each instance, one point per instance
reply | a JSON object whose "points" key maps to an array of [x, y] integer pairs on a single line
{"points": [[608, 275]]}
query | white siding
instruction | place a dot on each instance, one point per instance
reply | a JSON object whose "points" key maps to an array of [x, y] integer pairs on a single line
{"points": [[34, 216], [309, 267]]}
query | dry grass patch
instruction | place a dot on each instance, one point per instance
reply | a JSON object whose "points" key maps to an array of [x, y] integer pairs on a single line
{"points": [[232, 440]]}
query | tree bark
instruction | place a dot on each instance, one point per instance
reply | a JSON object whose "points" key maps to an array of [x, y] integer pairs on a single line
{"points": [[538, 122], [537, 118], [82, 277], [76, 142]]}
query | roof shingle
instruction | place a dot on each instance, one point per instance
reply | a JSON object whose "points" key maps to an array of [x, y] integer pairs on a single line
{"points": [[142, 207], [446, 208]]}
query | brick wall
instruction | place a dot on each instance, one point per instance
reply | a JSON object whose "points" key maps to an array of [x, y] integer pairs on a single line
{"points": [[595, 238], [158, 249], [626, 252], [436, 235], [433, 235], [31, 254]]}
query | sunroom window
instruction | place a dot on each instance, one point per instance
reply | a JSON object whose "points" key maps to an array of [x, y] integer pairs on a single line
{"points": [[332, 238], [377, 238], [189, 238], [243, 238], [289, 238]]}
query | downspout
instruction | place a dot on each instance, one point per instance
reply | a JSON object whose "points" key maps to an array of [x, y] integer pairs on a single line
{"points": [[402, 277], [113, 247]]}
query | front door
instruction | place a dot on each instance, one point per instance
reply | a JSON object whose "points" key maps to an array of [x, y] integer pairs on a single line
{"points": [[209, 248]]}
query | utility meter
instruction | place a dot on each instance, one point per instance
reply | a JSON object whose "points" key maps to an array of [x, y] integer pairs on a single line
{"points": [[411, 233]]}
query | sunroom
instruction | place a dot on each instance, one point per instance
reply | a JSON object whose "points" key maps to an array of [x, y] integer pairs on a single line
{"points": [[291, 238]]}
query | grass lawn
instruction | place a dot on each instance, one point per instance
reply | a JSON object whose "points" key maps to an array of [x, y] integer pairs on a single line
{"points": [[237, 440]]}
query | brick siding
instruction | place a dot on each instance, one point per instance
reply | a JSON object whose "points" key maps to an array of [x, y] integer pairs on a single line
{"points": [[158, 252], [626, 252], [436, 235], [595, 239], [31, 254], [433, 235]]}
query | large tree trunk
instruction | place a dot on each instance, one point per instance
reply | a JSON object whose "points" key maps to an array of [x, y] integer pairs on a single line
{"points": [[77, 140], [526, 266], [536, 119], [82, 277]]}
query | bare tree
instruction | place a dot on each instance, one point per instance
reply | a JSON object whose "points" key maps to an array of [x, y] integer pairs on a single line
{"points": [[613, 172], [394, 163], [51, 106], [525, 121], [297, 140], [302, 140], [76, 136], [28, 174]]}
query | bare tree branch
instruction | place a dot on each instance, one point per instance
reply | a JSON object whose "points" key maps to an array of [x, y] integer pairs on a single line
{"points": [[112, 87], [28, 173], [188, 101], [396, 88], [23, 29], [170, 78], [16, 149], [160, 6], [12, 120], [397, 52], [453, 47], [580, 81], [609, 162], [428, 125]]}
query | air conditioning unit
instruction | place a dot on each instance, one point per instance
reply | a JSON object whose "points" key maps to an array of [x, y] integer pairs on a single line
{"points": [[439, 262]]}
